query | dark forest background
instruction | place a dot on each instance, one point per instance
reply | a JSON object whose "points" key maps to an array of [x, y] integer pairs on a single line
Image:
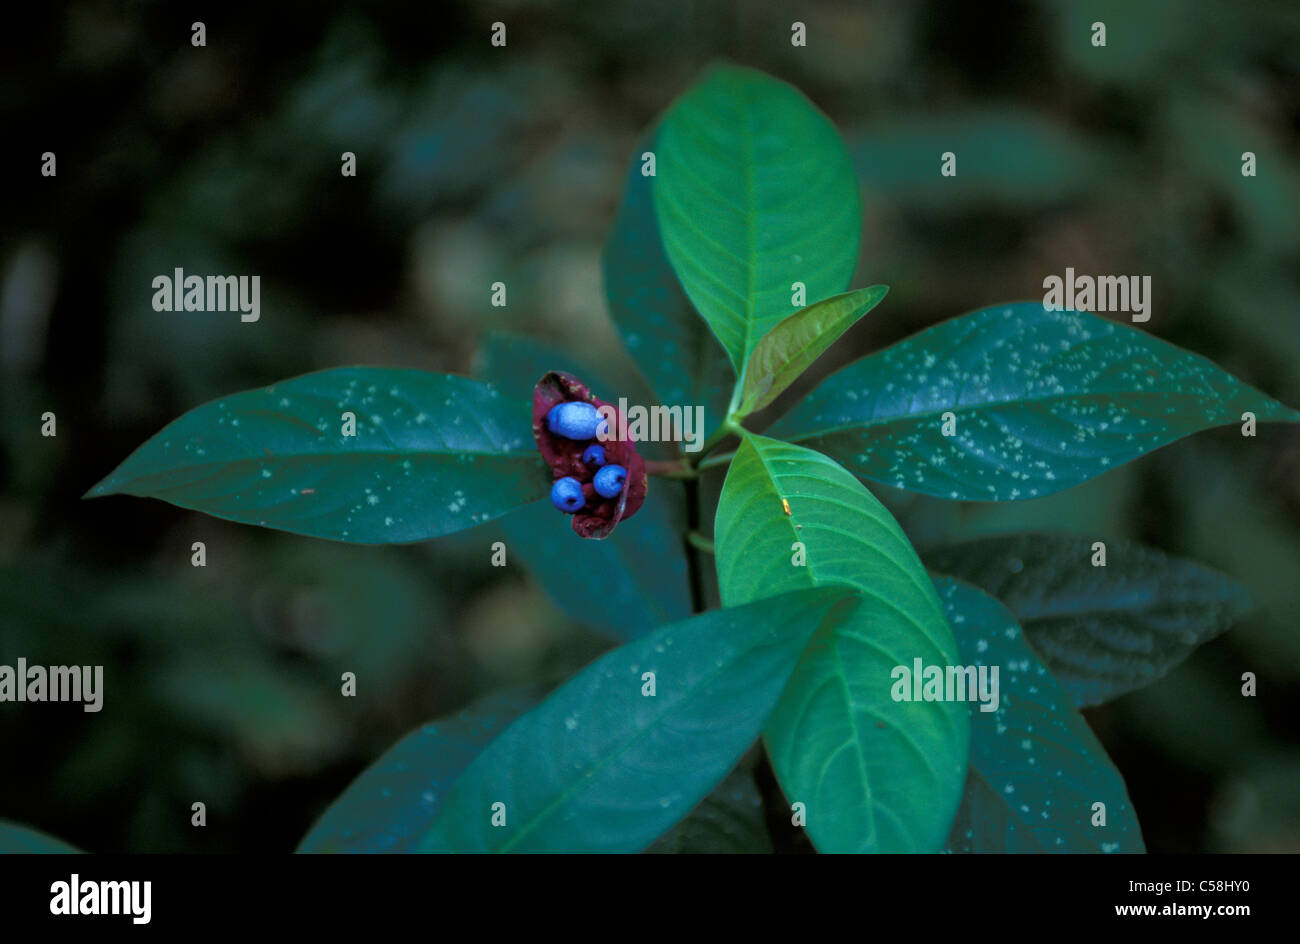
{"points": [[477, 164]]}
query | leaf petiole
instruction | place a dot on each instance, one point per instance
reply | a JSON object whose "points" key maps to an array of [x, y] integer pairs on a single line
{"points": [[728, 427], [700, 541], [675, 469]]}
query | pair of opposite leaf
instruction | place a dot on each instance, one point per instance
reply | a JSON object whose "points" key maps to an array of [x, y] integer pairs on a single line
{"points": [[754, 192]]}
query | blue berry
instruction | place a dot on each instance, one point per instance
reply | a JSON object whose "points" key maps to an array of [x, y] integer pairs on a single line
{"points": [[609, 481], [576, 420], [553, 416], [566, 494], [593, 457]]}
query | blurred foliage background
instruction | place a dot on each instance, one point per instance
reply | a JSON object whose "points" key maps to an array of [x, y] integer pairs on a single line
{"points": [[478, 164]]}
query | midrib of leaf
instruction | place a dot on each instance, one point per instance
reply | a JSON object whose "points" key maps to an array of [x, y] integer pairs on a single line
{"points": [[751, 195], [975, 326], [866, 591], [1037, 614], [575, 786], [840, 503], [334, 457], [1068, 662], [367, 452], [841, 672], [1016, 814], [809, 341], [991, 404], [811, 337]]}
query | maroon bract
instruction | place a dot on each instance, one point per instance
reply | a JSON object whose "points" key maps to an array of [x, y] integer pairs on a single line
{"points": [[599, 516]]}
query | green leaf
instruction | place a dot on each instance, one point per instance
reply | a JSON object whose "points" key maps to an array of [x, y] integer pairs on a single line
{"points": [[1036, 769], [729, 821], [754, 191], [789, 349], [1041, 401], [16, 839], [874, 774], [1103, 631], [624, 586], [432, 454], [393, 801], [600, 767], [665, 335]]}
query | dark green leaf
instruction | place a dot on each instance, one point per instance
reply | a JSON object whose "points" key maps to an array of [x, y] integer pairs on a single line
{"points": [[728, 821], [390, 805], [787, 350], [432, 454], [664, 333], [1036, 769], [394, 800], [600, 767], [1103, 631], [874, 774], [23, 840], [754, 192], [1041, 400]]}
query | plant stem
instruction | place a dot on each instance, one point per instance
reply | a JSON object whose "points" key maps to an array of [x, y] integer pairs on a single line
{"points": [[700, 541], [696, 543], [692, 552]]}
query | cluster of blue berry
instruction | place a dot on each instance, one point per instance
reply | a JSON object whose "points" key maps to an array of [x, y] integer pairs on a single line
{"points": [[580, 421], [598, 484]]}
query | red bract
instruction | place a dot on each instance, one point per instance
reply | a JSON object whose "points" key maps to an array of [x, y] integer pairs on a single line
{"points": [[598, 518]]}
